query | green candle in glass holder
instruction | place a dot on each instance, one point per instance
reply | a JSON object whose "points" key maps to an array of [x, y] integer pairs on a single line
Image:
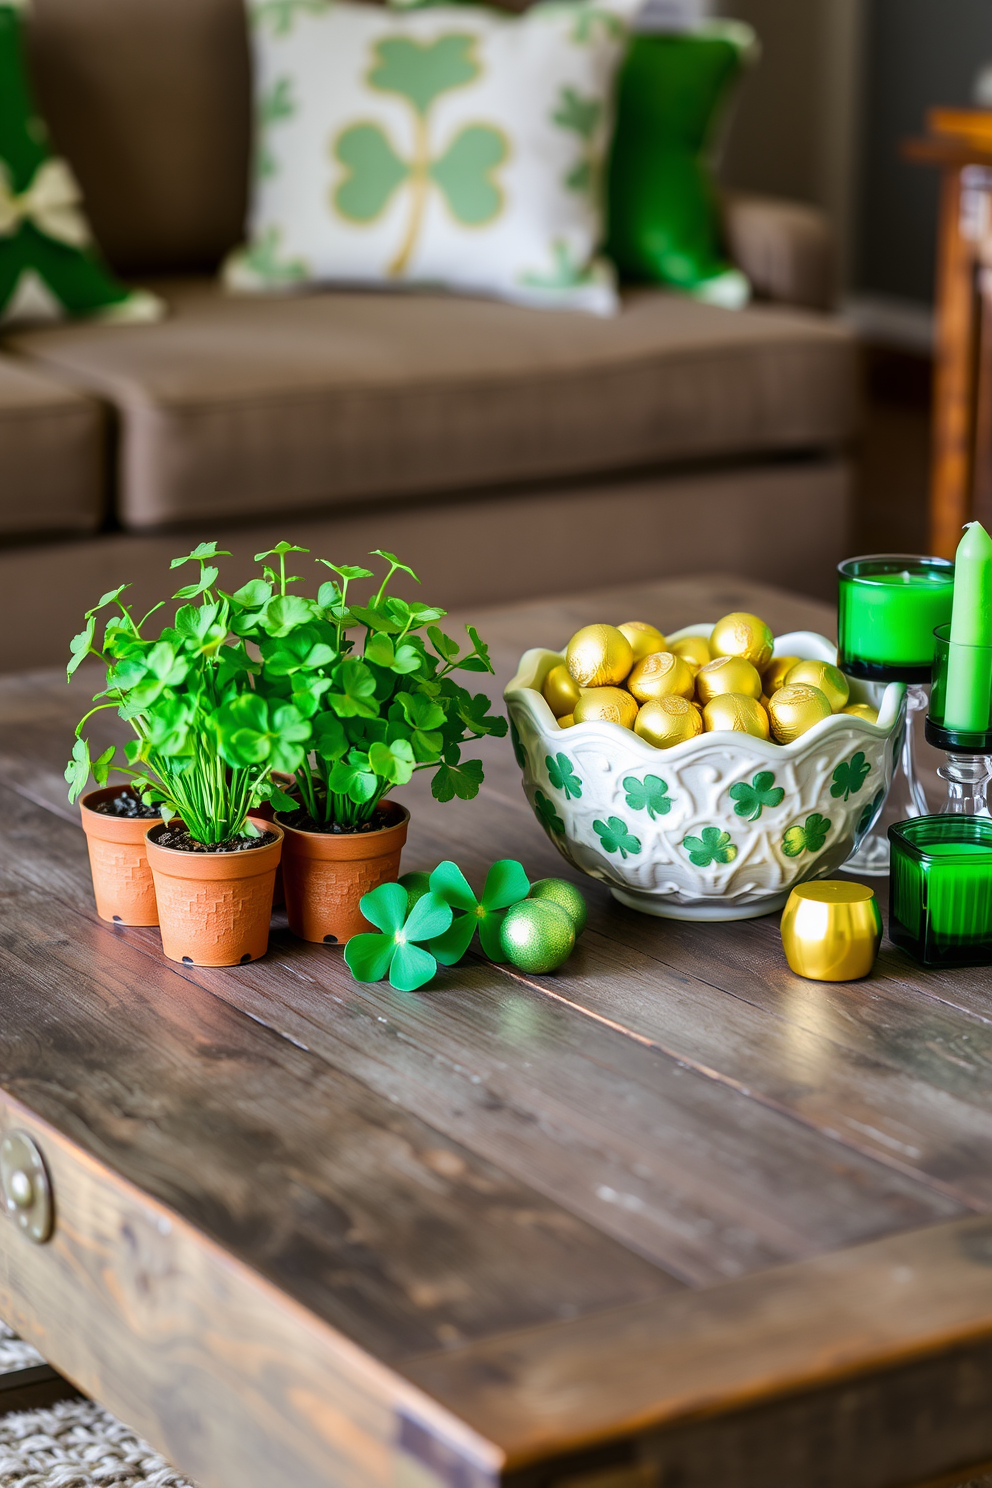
{"points": [[968, 686], [889, 607]]}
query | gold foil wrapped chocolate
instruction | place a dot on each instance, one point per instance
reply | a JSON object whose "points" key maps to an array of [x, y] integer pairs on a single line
{"points": [[599, 656], [643, 638], [607, 705], [793, 710], [668, 720], [566, 721], [661, 674], [727, 674], [738, 713], [829, 679], [561, 691], [775, 673], [741, 634], [861, 710], [831, 930], [693, 649]]}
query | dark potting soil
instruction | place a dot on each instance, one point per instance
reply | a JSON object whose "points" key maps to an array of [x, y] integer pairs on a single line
{"points": [[127, 804], [179, 838], [304, 822]]}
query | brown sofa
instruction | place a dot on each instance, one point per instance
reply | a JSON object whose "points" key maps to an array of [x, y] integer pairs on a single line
{"points": [[502, 451]]}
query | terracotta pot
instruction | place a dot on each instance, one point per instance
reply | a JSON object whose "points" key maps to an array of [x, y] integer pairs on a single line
{"points": [[267, 814], [122, 879], [325, 874], [214, 908]]}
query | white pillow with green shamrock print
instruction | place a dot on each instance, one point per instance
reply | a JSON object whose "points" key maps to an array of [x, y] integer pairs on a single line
{"points": [[452, 146]]}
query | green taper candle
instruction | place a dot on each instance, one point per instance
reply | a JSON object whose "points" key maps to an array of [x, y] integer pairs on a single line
{"points": [[969, 682]]}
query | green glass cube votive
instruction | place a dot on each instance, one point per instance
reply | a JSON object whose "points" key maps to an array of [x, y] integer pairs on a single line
{"points": [[940, 900]]}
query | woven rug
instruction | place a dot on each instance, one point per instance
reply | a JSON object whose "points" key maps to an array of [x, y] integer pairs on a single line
{"points": [[77, 1444], [15, 1353]]}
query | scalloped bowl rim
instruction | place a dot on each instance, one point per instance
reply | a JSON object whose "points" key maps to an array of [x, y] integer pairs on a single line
{"points": [[806, 644]]}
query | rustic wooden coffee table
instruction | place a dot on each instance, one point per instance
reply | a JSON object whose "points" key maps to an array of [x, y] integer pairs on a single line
{"points": [[670, 1217]]}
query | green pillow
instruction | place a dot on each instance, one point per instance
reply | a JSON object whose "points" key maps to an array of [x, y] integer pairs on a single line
{"points": [[48, 262], [663, 208]]}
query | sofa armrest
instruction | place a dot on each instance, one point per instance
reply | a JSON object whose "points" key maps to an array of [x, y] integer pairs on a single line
{"points": [[785, 248]]}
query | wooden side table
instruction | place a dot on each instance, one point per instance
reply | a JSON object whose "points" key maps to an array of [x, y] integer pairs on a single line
{"points": [[960, 143]]}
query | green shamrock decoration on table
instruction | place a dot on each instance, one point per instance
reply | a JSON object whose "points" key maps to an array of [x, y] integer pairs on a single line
{"points": [[545, 809], [850, 777], [870, 812], [809, 837], [615, 837], [396, 952], [750, 800], [563, 777], [712, 846], [506, 884], [650, 795], [463, 173]]}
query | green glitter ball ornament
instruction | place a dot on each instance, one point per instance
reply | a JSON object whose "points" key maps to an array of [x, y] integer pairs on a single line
{"points": [[416, 885], [560, 891], [537, 935]]}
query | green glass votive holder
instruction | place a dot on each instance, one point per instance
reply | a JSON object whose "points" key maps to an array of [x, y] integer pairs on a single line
{"points": [[940, 901], [960, 716], [889, 605]]}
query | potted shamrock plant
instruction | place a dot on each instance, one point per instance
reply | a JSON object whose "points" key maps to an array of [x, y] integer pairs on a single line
{"points": [[374, 678], [205, 742]]}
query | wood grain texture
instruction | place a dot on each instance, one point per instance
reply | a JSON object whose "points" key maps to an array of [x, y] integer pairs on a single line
{"points": [[376, 1221], [237, 1384], [690, 1171], [494, 1188], [863, 1312]]}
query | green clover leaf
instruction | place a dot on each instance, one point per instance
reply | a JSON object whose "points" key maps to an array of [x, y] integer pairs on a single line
{"points": [[396, 952], [615, 837], [374, 169], [712, 846], [550, 820], [850, 777], [421, 71], [506, 884], [461, 780], [563, 777], [518, 748], [250, 731], [580, 115], [357, 696], [464, 174], [808, 837], [750, 800], [354, 777], [870, 812], [650, 795]]}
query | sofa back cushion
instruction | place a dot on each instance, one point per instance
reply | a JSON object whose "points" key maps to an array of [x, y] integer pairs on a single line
{"points": [[149, 100]]}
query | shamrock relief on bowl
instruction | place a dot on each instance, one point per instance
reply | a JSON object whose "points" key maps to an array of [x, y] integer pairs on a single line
{"points": [[724, 823]]}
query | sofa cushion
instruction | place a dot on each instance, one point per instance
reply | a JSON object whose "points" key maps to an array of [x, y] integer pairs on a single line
{"points": [[149, 101], [242, 407], [51, 455]]}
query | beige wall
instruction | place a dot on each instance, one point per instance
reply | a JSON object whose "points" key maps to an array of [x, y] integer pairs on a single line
{"points": [[794, 130]]}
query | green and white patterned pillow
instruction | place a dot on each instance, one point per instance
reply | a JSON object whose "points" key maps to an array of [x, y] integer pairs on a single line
{"points": [[455, 146], [49, 265]]}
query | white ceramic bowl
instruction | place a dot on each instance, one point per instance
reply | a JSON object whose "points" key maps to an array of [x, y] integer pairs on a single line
{"points": [[721, 827]]}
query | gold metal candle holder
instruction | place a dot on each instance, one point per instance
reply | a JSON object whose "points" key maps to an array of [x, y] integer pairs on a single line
{"points": [[831, 930]]}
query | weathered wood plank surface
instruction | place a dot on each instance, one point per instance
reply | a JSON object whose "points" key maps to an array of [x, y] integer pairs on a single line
{"points": [[397, 1235], [692, 1172], [499, 1184]]}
